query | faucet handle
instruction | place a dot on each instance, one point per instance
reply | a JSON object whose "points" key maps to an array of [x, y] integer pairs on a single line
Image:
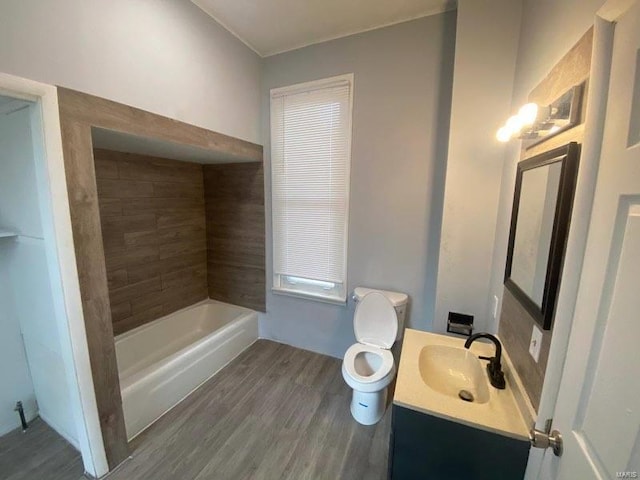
{"points": [[496, 376]]}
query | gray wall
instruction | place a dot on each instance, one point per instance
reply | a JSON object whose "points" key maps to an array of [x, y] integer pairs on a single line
{"points": [[402, 97], [549, 29], [482, 90], [164, 56]]}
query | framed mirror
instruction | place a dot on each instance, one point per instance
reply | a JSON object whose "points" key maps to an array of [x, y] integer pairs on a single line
{"points": [[542, 203]]}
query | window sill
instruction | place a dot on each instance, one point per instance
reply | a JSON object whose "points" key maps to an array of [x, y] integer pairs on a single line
{"points": [[309, 296]]}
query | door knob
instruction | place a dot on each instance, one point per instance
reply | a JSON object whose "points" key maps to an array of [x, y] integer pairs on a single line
{"points": [[551, 440]]}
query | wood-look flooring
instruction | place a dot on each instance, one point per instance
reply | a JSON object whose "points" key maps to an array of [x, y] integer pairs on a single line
{"points": [[275, 412], [38, 454]]}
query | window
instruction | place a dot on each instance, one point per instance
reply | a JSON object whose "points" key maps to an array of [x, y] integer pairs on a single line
{"points": [[310, 162]]}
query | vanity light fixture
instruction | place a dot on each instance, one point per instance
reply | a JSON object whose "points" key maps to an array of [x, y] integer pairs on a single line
{"points": [[537, 122]]}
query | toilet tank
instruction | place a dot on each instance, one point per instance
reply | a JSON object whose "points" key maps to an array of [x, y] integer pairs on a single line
{"points": [[397, 299]]}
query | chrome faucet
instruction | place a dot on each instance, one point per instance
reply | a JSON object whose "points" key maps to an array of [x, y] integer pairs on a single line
{"points": [[494, 368]]}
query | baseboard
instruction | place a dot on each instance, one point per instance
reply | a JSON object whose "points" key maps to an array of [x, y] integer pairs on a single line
{"points": [[60, 431], [300, 347]]}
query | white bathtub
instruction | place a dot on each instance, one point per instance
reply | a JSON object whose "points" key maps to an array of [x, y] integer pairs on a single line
{"points": [[161, 362]]}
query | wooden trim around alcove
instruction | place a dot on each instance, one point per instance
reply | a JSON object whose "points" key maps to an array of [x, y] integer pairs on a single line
{"points": [[79, 112]]}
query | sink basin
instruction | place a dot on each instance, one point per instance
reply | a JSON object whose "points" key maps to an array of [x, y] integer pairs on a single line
{"points": [[435, 368], [454, 372]]}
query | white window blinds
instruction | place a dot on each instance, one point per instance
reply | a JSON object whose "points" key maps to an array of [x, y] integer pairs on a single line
{"points": [[310, 160]]}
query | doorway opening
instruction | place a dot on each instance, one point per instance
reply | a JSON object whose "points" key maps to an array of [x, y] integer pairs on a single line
{"points": [[37, 365]]}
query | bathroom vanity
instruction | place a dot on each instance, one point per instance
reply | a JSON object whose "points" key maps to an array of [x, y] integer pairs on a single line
{"points": [[448, 421]]}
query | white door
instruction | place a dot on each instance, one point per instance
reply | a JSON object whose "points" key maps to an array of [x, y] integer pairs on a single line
{"points": [[598, 406]]}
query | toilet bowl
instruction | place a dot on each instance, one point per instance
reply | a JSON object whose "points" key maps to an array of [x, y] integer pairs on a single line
{"points": [[368, 366]]}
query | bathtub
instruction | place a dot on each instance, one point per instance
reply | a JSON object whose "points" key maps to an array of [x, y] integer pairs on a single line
{"points": [[162, 362]]}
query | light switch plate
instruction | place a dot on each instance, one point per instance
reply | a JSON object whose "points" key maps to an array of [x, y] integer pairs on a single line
{"points": [[535, 343]]}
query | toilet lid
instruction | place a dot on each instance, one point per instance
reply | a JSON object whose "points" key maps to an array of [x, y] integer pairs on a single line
{"points": [[375, 321]]}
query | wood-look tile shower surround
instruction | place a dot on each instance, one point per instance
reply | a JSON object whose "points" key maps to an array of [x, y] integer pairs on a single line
{"points": [[234, 195], [164, 250], [79, 114], [152, 214], [516, 324]]}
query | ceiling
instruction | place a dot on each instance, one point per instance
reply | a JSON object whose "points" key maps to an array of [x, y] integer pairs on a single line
{"points": [[275, 26], [154, 147]]}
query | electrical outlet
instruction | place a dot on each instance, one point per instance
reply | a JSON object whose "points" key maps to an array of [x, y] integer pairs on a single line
{"points": [[535, 343], [495, 307]]}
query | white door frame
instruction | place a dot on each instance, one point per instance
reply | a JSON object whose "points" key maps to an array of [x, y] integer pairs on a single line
{"points": [[74, 339], [604, 28]]}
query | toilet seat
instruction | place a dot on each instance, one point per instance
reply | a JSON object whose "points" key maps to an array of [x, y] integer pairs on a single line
{"points": [[375, 321], [375, 325], [386, 367]]}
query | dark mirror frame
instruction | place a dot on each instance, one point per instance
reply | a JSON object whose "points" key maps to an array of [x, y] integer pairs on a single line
{"points": [[569, 156]]}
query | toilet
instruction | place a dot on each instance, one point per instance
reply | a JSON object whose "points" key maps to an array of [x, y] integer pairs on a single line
{"points": [[368, 366]]}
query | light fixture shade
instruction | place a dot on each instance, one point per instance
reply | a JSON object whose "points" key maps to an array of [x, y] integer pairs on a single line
{"points": [[528, 114], [514, 125], [503, 135]]}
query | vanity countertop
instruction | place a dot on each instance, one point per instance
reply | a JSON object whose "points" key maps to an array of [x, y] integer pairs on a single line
{"points": [[507, 412]]}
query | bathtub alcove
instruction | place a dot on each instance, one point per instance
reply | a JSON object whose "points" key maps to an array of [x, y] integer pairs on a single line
{"points": [[168, 225], [166, 232]]}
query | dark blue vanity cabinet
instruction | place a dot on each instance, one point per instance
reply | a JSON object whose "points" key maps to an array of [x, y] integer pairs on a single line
{"points": [[427, 447]]}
